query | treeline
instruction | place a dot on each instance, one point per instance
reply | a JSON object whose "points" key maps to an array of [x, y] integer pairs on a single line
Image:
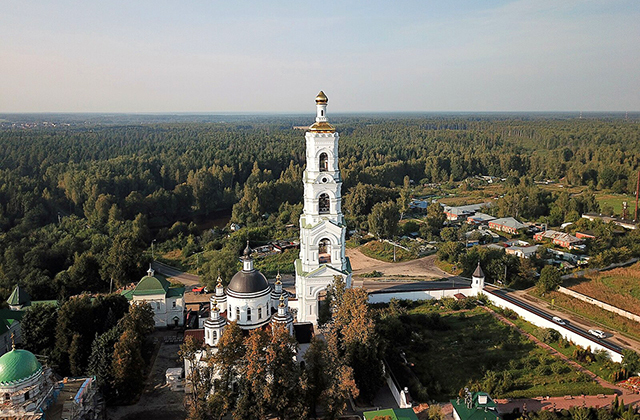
{"points": [[98, 180], [104, 337]]}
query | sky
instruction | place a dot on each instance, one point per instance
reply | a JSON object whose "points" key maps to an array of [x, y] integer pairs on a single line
{"points": [[274, 56]]}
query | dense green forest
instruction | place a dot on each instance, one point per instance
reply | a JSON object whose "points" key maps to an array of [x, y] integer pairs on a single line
{"points": [[80, 203]]}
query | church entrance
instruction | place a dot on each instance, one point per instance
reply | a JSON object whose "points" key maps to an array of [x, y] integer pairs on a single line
{"points": [[324, 311]]}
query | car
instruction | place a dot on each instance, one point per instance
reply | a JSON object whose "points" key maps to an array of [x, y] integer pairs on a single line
{"points": [[597, 333], [558, 320]]}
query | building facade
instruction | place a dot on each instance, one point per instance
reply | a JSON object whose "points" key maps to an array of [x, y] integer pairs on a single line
{"points": [[322, 226]]}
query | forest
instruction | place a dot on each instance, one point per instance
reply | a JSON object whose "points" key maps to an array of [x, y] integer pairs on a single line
{"points": [[81, 203]]}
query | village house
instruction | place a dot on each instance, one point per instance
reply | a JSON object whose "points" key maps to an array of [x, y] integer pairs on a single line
{"points": [[462, 212], [479, 219], [506, 224], [558, 238]]}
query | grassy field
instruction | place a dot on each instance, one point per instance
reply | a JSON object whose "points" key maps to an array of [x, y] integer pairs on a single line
{"points": [[283, 262], [587, 310], [474, 349], [619, 287], [384, 252], [615, 201]]}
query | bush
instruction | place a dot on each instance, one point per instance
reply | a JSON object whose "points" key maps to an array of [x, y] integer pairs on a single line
{"points": [[548, 335]]}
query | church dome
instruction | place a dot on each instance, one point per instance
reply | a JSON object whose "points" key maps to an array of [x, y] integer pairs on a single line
{"points": [[321, 98], [248, 282], [17, 366]]}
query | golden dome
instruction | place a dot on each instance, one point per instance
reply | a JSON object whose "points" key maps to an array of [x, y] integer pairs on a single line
{"points": [[321, 98], [322, 126]]}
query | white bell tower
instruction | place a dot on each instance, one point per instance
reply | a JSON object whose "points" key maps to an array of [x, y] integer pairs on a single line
{"points": [[322, 227]]}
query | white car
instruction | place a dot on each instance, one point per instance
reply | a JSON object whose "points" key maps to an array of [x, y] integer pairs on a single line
{"points": [[597, 333], [558, 320]]}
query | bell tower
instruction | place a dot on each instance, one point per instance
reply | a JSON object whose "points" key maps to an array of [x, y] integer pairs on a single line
{"points": [[322, 227]]}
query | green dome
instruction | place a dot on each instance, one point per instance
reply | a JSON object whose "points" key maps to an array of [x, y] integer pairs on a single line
{"points": [[18, 365]]}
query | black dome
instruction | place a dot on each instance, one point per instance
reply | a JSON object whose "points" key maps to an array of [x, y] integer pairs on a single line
{"points": [[248, 282]]}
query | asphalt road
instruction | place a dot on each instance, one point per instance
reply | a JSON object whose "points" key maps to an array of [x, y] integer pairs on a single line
{"points": [[543, 312]]}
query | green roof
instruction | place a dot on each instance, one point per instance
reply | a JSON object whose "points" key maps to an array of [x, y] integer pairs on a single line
{"points": [[175, 291], [18, 365], [392, 413], [19, 297], [478, 411], [151, 285], [7, 318]]}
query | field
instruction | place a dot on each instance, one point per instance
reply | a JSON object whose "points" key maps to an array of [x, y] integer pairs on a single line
{"points": [[619, 287], [453, 350], [615, 201], [384, 252], [592, 312]]}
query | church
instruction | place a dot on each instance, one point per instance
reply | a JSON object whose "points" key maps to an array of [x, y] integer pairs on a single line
{"points": [[249, 299]]}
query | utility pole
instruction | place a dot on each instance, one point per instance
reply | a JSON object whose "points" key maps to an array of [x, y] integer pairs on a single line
{"points": [[153, 256], [111, 286]]}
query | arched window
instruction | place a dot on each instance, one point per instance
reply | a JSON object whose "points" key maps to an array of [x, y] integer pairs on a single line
{"points": [[237, 313], [215, 335], [260, 313], [7, 397], [321, 113], [324, 162], [248, 314], [324, 251], [324, 204]]}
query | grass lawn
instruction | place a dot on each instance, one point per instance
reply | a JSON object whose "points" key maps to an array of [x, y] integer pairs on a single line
{"points": [[384, 252], [458, 348], [587, 310], [619, 287], [448, 267], [615, 201]]}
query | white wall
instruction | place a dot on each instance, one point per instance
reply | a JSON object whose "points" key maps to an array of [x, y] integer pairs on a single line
{"points": [[385, 297], [542, 322]]}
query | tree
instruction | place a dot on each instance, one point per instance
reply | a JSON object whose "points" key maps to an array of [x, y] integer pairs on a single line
{"points": [[316, 372], [101, 360], [549, 280], [125, 260], [38, 326], [128, 366], [405, 197], [383, 220], [199, 376], [630, 361]]}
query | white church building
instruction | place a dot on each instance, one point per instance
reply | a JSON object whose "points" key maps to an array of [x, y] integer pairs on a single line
{"points": [[322, 225]]}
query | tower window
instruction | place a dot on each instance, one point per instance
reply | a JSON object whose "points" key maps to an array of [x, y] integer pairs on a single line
{"points": [[248, 314], [324, 162], [259, 313], [237, 313], [324, 251], [215, 335], [324, 204], [321, 113]]}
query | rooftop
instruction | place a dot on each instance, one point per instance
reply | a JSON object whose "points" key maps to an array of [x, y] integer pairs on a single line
{"points": [[392, 413]]}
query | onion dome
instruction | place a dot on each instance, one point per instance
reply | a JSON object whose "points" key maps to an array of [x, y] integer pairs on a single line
{"points": [[248, 280], [18, 366], [321, 98]]}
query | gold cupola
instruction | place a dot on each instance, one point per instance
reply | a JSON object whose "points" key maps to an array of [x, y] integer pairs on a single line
{"points": [[321, 98]]}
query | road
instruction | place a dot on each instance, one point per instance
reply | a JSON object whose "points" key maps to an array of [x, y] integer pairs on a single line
{"points": [[166, 270], [579, 326]]}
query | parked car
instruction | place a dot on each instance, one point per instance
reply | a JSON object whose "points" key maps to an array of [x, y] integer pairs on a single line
{"points": [[597, 333], [559, 320]]}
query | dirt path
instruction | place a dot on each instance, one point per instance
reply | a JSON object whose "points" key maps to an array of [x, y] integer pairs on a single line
{"points": [[422, 267]]}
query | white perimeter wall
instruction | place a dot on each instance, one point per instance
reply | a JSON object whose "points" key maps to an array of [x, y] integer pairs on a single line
{"points": [[385, 297], [542, 322]]}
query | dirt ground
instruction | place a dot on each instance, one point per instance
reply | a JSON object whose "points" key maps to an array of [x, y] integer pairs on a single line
{"points": [[421, 268], [158, 402]]}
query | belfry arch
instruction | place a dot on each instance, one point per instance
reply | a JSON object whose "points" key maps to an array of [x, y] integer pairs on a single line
{"points": [[324, 204], [323, 162]]}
